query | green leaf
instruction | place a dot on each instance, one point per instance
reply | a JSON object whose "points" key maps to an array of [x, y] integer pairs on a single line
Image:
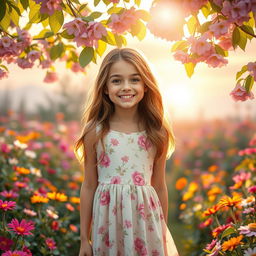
{"points": [[179, 45], [143, 15], [15, 7], [118, 40], [220, 51], [191, 24], [137, 2], [235, 37], [95, 15], [248, 83], [44, 34], [204, 27], [86, 56], [243, 40], [56, 21], [4, 67], [15, 18], [2, 10], [65, 34], [96, 2], [5, 22], [115, 9], [56, 51], [248, 30], [228, 232], [24, 4], [34, 13], [109, 38], [206, 11], [189, 68], [239, 73], [138, 30], [101, 47]]}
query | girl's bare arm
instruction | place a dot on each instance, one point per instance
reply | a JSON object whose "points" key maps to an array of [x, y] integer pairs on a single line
{"points": [[88, 188]]}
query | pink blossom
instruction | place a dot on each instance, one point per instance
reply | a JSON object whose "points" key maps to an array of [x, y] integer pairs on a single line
{"points": [[216, 60], [240, 93], [114, 142], [75, 27], [241, 177], [7, 205], [21, 228], [49, 6], [253, 141], [14, 253], [24, 63], [76, 67], [219, 28], [33, 55], [50, 77], [211, 245], [50, 243], [140, 247], [181, 56], [3, 74], [247, 151], [125, 159], [144, 142], [115, 180], [105, 197], [9, 194], [104, 160], [225, 43], [101, 230], [6, 41], [155, 253], [201, 46], [106, 240], [138, 179], [128, 223], [249, 210], [251, 66], [193, 5], [96, 30], [46, 63]]}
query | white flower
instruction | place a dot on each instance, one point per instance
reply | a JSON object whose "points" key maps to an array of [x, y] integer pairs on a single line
{"points": [[249, 201], [62, 128], [18, 144], [250, 252], [13, 161], [30, 154], [36, 172]]}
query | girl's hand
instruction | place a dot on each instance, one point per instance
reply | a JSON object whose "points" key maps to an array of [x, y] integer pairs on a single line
{"points": [[85, 249]]}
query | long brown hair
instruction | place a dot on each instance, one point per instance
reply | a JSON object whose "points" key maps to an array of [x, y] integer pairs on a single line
{"points": [[99, 108]]}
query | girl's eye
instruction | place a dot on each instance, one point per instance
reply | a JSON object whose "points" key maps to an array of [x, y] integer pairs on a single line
{"points": [[116, 81], [135, 80]]}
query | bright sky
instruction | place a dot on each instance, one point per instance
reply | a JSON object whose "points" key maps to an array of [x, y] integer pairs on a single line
{"points": [[205, 95]]}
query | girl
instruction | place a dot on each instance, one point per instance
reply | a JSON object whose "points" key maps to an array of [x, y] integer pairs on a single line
{"points": [[124, 146]]}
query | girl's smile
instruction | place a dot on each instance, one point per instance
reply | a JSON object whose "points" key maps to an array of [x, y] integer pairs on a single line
{"points": [[125, 86]]}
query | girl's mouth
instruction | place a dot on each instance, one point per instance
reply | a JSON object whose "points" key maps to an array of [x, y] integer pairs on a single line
{"points": [[126, 96]]}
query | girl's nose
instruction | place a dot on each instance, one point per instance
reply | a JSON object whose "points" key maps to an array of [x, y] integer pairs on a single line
{"points": [[126, 85]]}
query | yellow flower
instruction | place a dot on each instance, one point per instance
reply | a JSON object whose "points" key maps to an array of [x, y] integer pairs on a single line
{"points": [[193, 186], [57, 196], [213, 192], [75, 200], [181, 183], [187, 196], [38, 199], [232, 243], [230, 201]]}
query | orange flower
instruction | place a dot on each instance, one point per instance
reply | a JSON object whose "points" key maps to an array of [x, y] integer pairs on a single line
{"points": [[22, 170], [211, 210], [38, 199], [230, 201], [75, 200], [181, 183], [213, 192], [212, 168], [183, 206], [57, 196], [232, 243]]}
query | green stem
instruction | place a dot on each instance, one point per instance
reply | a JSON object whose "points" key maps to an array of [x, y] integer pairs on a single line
{"points": [[217, 220], [233, 215], [4, 226], [15, 244]]}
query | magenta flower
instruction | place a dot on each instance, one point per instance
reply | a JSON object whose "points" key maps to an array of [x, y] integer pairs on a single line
{"points": [[248, 230], [7, 205], [14, 253], [50, 243], [5, 243], [252, 189], [240, 93], [9, 194], [23, 228]]}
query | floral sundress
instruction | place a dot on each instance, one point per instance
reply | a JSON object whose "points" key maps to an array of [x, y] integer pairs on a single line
{"points": [[127, 218]]}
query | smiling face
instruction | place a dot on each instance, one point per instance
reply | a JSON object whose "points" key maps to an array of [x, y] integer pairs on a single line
{"points": [[125, 86]]}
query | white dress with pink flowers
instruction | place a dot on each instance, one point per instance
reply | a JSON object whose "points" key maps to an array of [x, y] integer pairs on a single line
{"points": [[127, 215]]}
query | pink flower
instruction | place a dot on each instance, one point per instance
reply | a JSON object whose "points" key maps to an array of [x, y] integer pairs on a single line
{"points": [[144, 142], [104, 160], [247, 151], [241, 177], [225, 43], [46, 63], [5, 148], [115, 180], [216, 60], [141, 210], [181, 56], [251, 66], [75, 27], [50, 77], [193, 5], [128, 223], [5, 243], [29, 212], [76, 67], [248, 230], [219, 28], [125, 159], [49, 6], [252, 189], [201, 46], [6, 41], [96, 30], [106, 240], [114, 142], [155, 253], [152, 203], [7, 205], [3, 73], [138, 179], [211, 245], [23, 228], [14, 253], [240, 93], [24, 63], [105, 197], [140, 248], [114, 210], [50, 243]]}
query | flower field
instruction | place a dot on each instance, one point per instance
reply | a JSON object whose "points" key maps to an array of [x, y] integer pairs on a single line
{"points": [[210, 176]]}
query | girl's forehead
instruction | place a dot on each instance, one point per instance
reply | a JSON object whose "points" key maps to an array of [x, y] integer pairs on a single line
{"points": [[123, 67]]}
